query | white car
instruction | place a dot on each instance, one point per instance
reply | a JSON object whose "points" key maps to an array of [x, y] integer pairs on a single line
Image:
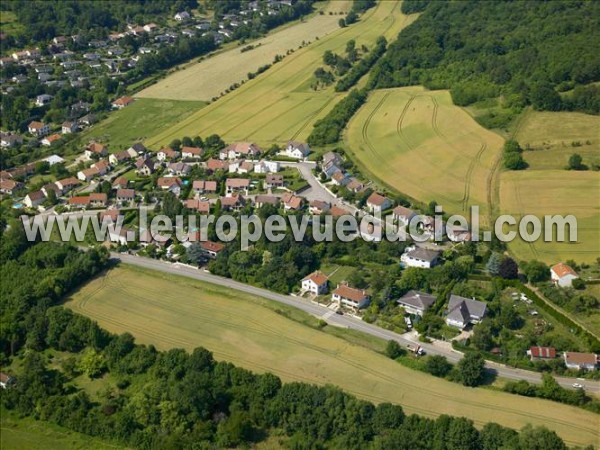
{"points": [[577, 386]]}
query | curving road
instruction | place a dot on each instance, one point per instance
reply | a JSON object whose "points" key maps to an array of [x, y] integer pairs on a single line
{"points": [[344, 321]]}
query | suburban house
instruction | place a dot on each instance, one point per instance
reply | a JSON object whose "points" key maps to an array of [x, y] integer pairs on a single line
{"points": [[95, 148], [66, 184], [266, 167], [137, 149], [240, 150], [318, 207], [315, 283], [51, 187], [53, 159], [540, 353], [203, 186], [298, 150], [273, 181], [69, 127], [10, 186], [196, 205], [122, 102], [354, 185], [377, 203], [144, 167], [101, 166], [122, 235], [241, 167], [118, 158], [336, 211], [98, 199], [347, 296], [463, 311], [261, 200], [330, 168], [576, 360], [458, 233], [215, 164], [10, 140], [420, 257], [179, 168], [291, 202], [191, 152], [212, 249], [111, 214], [236, 185], [403, 215], [331, 157], [82, 201], [339, 178], [125, 196], [6, 380], [87, 174], [34, 199], [235, 202], [171, 184], [38, 128], [415, 302], [43, 99], [562, 275], [182, 16], [167, 153], [120, 183]]}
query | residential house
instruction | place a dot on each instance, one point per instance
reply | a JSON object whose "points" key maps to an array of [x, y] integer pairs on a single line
{"points": [[144, 166], [236, 185], [458, 233], [315, 283], [541, 353], [49, 140], [122, 102], [117, 158], [273, 181], [67, 184], [38, 128], [53, 159], [51, 187], [266, 167], [261, 200], [245, 167], [240, 150], [95, 148], [464, 311], [10, 140], [121, 235], [339, 178], [34, 199], [43, 99], [6, 380], [120, 183], [150, 27], [214, 164], [579, 361], [79, 202], [212, 249], [337, 212], [318, 207], [137, 149], [563, 275], [298, 150], [377, 203], [171, 184], [98, 199], [415, 302], [235, 202], [88, 119], [87, 174], [292, 202], [112, 215], [420, 257], [351, 297], [182, 16], [125, 196], [179, 168], [331, 157], [354, 185], [203, 186], [69, 127], [167, 153], [199, 206], [101, 166], [330, 168], [10, 186]]}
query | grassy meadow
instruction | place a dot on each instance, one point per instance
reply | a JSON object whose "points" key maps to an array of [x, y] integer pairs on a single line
{"points": [[203, 80], [279, 104], [257, 334], [138, 121], [417, 142], [547, 188]]}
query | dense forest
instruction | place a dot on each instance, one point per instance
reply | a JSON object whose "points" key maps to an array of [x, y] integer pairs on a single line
{"points": [[175, 399], [526, 52]]}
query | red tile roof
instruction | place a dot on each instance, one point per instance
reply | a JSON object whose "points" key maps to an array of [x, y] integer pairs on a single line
{"points": [[356, 295], [561, 270], [318, 277], [543, 352]]}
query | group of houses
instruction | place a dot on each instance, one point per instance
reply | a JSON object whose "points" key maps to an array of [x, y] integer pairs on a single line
{"points": [[573, 360]]}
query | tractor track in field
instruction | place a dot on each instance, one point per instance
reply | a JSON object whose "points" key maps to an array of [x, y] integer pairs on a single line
{"points": [[401, 120], [365, 127], [468, 178], [517, 188], [310, 118]]}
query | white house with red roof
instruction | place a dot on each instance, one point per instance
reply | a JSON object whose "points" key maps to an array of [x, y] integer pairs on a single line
{"points": [[378, 203], [315, 283], [541, 353], [351, 297], [563, 275]]}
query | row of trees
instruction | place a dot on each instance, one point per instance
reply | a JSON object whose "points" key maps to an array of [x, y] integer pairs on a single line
{"points": [[362, 67]]}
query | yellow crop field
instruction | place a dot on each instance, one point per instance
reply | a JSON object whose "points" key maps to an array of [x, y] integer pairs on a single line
{"points": [[419, 143], [279, 104], [171, 311]]}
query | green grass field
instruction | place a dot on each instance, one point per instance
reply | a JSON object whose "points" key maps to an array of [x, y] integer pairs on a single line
{"points": [[547, 188], [279, 105], [417, 142], [170, 311], [27, 433], [142, 119]]}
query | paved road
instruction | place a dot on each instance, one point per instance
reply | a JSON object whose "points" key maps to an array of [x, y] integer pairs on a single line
{"points": [[338, 320]]}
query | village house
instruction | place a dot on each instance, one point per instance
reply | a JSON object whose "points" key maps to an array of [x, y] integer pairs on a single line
{"points": [[203, 186], [98, 199], [563, 275], [318, 207], [111, 215], [121, 235], [261, 200], [87, 174], [137, 149], [298, 150], [144, 167], [170, 184], [125, 196], [315, 283], [69, 127], [49, 140], [34, 199], [10, 140], [102, 166], [339, 178], [43, 99], [214, 164], [53, 159], [6, 380], [122, 102], [199, 206], [212, 249], [120, 183], [51, 187], [457, 233], [240, 150], [67, 184], [235, 202], [420, 257], [179, 168], [95, 148], [266, 167], [117, 158], [402, 215], [354, 185], [182, 16], [464, 311], [541, 353], [337, 211], [581, 361], [292, 202], [273, 181], [351, 297], [78, 202], [38, 128], [377, 203], [167, 154], [330, 168], [415, 302], [10, 186], [236, 185], [191, 152]]}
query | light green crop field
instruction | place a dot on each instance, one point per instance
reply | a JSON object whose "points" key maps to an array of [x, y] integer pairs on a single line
{"points": [[203, 80], [279, 105], [419, 143], [138, 121], [26, 433], [547, 188], [171, 311]]}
